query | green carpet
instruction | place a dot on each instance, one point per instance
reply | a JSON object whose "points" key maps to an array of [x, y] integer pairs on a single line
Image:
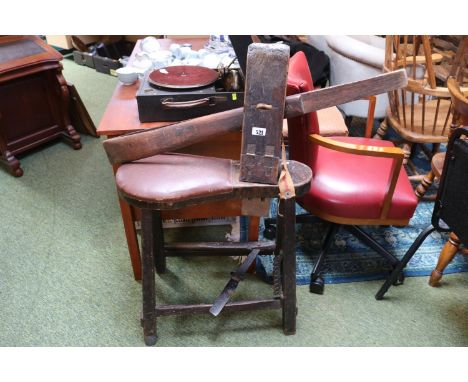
{"points": [[66, 278]]}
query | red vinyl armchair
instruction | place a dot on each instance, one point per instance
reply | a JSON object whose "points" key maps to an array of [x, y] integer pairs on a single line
{"points": [[356, 180]]}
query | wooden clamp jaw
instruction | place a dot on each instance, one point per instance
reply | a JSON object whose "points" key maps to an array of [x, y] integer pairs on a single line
{"points": [[267, 69]]}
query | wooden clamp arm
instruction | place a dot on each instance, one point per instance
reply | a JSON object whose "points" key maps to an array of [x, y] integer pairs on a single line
{"points": [[394, 153], [146, 143]]}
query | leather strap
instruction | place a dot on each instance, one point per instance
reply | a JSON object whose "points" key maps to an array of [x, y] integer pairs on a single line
{"points": [[285, 182], [231, 286]]}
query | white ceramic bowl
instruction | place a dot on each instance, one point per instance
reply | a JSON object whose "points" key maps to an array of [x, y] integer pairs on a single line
{"points": [[126, 75]]}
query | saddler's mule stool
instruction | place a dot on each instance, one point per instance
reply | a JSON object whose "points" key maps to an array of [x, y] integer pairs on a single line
{"points": [[170, 181], [173, 181]]}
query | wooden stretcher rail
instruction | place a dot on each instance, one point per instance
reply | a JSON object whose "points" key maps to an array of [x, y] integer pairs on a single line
{"points": [[218, 248], [169, 310]]}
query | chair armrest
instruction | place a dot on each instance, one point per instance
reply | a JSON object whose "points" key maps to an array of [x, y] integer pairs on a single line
{"points": [[394, 153], [370, 115], [351, 148]]}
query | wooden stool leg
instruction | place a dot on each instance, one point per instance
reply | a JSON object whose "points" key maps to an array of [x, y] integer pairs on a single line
{"points": [[382, 130], [288, 250], [422, 187], [148, 284], [158, 234], [447, 254]]}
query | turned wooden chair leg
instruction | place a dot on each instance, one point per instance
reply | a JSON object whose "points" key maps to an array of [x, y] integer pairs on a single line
{"points": [[288, 252], [407, 151], [382, 130], [422, 187], [447, 254], [148, 320]]}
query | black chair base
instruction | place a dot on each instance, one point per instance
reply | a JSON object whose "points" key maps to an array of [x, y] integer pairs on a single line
{"points": [[317, 283], [397, 273]]}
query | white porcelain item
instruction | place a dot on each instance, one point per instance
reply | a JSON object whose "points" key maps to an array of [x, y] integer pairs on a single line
{"points": [[193, 61], [127, 75], [150, 44], [202, 53], [211, 61], [186, 52], [175, 50], [142, 61]]}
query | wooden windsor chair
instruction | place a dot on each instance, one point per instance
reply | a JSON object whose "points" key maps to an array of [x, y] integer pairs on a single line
{"points": [[458, 72], [420, 113]]}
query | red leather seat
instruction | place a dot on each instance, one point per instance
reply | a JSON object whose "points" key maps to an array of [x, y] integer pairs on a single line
{"points": [[356, 181], [354, 186], [345, 186]]}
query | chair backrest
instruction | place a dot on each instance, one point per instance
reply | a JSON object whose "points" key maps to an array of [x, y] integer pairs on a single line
{"points": [[459, 102], [454, 51], [422, 108], [300, 128], [452, 199], [451, 206]]}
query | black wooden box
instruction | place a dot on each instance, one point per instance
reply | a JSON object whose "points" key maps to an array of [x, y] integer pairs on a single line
{"points": [[83, 58], [106, 65], [155, 104]]}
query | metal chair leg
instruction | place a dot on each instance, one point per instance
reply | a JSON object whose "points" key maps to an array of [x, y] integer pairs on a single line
{"points": [[402, 263], [316, 282], [368, 240]]}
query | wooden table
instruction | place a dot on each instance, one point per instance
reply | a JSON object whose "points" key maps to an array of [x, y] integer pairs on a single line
{"points": [[121, 116], [34, 99]]}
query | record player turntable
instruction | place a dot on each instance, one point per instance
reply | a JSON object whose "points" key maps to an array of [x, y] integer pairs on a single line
{"points": [[182, 92]]}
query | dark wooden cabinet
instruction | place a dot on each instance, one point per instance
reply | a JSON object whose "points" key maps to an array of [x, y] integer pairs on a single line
{"points": [[34, 99]]}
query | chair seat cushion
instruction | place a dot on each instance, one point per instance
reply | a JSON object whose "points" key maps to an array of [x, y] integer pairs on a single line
{"points": [[171, 178], [171, 181], [354, 186]]}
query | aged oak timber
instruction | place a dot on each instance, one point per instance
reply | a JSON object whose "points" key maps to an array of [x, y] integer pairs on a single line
{"points": [[138, 145]]}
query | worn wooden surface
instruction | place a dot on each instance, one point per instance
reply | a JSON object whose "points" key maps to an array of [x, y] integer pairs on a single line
{"points": [[150, 142], [267, 70], [170, 310], [287, 212], [217, 248], [149, 243]]}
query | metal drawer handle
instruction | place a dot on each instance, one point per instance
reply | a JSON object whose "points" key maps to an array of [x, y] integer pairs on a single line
{"points": [[168, 103]]}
